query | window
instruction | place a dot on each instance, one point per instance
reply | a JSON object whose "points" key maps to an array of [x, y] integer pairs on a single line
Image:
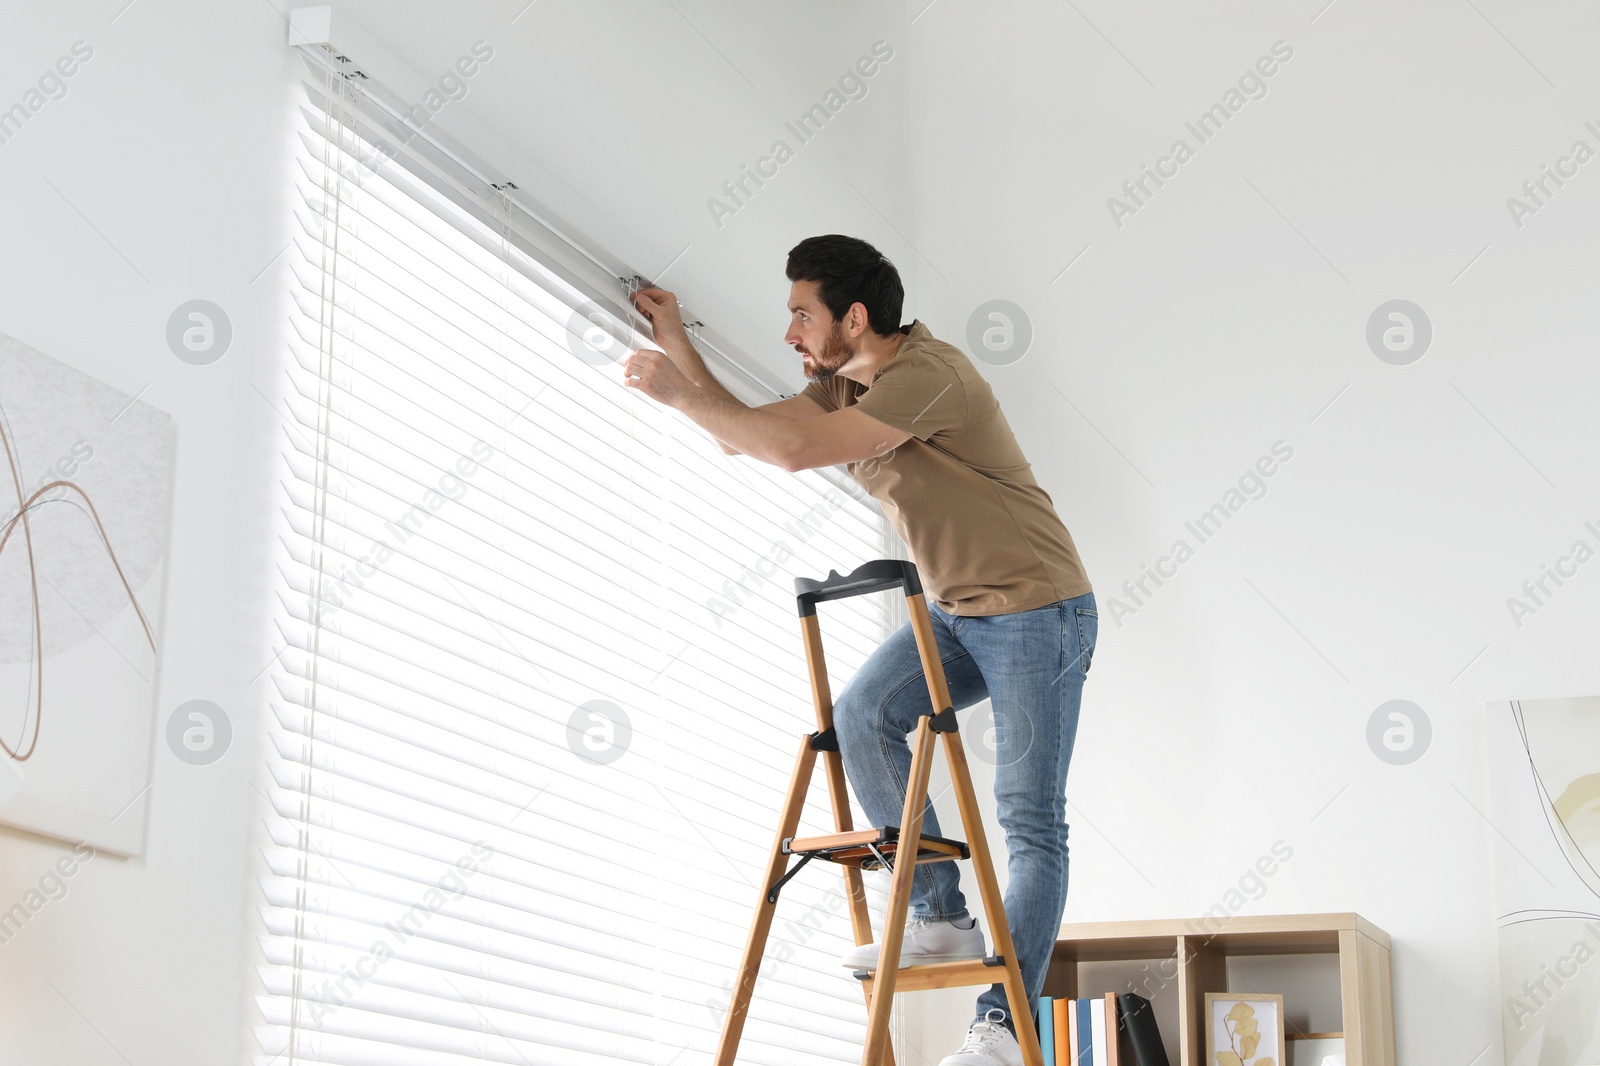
{"points": [[542, 683]]}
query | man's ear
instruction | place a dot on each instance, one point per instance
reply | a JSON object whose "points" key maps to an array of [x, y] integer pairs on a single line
{"points": [[857, 322]]}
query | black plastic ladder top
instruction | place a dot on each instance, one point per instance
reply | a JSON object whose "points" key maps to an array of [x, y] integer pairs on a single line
{"points": [[876, 576]]}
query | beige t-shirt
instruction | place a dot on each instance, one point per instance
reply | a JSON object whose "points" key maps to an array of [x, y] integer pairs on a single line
{"points": [[985, 537]]}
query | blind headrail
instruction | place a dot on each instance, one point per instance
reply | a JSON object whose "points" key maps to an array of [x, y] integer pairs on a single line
{"points": [[328, 39]]}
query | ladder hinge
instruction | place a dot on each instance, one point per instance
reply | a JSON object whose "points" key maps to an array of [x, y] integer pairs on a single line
{"points": [[777, 886], [945, 721], [826, 740]]}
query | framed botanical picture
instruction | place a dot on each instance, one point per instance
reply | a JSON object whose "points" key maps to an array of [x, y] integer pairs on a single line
{"points": [[1244, 1029]]}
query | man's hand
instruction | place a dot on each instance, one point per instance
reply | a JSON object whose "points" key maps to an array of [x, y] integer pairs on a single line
{"points": [[666, 320], [658, 377], [666, 325]]}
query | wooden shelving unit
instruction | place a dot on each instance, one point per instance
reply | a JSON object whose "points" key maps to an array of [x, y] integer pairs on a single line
{"points": [[1200, 947]]}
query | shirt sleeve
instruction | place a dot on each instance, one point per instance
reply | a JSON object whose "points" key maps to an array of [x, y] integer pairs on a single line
{"points": [[820, 394], [917, 392]]}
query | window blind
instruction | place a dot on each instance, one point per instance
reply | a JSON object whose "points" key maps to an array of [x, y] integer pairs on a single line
{"points": [[541, 682]]}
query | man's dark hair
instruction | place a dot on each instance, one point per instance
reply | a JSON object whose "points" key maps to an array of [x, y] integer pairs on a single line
{"points": [[848, 270]]}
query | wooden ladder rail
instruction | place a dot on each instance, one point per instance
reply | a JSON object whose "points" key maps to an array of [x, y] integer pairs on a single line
{"points": [[939, 722]]}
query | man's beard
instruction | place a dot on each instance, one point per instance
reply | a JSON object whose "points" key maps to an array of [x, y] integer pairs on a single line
{"points": [[834, 354]]}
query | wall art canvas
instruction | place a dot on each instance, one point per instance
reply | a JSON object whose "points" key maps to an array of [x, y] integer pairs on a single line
{"points": [[80, 599], [1545, 806]]}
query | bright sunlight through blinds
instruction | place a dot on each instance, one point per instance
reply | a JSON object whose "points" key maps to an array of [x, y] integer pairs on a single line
{"points": [[541, 683]]}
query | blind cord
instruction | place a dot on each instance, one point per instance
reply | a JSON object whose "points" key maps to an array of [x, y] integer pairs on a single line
{"points": [[332, 175]]}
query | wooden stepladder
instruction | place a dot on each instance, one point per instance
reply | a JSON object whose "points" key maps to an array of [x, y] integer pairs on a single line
{"points": [[885, 846]]}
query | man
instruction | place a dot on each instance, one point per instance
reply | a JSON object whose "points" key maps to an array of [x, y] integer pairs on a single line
{"points": [[1012, 608]]}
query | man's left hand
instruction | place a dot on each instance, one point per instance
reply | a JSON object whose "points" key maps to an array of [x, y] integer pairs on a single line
{"points": [[658, 377]]}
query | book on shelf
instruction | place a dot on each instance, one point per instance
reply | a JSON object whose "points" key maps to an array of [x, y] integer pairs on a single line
{"points": [[1142, 1038], [1097, 1030], [1109, 1030]]}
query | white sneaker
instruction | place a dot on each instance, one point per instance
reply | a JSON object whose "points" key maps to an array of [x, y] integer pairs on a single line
{"points": [[989, 1043], [924, 941]]}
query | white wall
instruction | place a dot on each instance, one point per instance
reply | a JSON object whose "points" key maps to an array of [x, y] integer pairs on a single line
{"points": [[1222, 716], [1228, 711]]}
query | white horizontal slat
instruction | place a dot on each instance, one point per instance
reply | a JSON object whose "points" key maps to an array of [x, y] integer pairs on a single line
{"points": [[556, 538], [377, 665]]}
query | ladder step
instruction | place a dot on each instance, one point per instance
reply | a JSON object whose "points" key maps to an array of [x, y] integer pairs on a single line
{"points": [[985, 971], [865, 847]]}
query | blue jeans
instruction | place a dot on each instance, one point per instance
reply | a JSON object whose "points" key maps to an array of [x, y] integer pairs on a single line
{"points": [[1031, 665]]}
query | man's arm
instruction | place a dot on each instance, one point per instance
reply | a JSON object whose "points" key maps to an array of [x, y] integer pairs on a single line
{"points": [[666, 323], [798, 406], [795, 444], [835, 437], [694, 368]]}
